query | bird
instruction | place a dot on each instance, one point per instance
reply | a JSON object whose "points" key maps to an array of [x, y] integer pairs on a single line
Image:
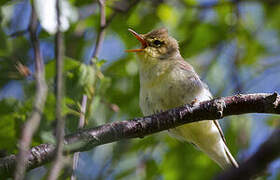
{"points": [[168, 81]]}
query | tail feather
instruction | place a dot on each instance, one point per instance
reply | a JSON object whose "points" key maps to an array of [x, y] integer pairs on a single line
{"points": [[230, 157], [230, 161], [223, 158], [207, 137], [226, 160]]}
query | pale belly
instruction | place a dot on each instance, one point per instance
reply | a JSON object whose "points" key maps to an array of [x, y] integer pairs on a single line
{"points": [[167, 95], [183, 87], [163, 99]]}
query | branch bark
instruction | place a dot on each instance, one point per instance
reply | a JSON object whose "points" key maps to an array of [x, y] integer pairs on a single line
{"points": [[101, 34], [87, 139], [60, 123], [33, 121], [104, 23]]}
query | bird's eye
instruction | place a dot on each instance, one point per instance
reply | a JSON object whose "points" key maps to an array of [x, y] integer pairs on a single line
{"points": [[157, 42]]}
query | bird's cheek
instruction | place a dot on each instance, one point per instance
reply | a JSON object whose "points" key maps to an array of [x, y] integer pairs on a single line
{"points": [[149, 51], [162, 50]]}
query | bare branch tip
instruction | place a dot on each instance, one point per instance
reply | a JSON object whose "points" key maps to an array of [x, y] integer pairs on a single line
{"points": [[276, 101], [274, 98], [275, 94]]}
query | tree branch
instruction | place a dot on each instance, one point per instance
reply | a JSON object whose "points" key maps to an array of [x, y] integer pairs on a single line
{"points": [[101, 34], [60, 123], [81, 125], [99, 41], [40, 97], [87, 139], [255, 165], [105, 23]]}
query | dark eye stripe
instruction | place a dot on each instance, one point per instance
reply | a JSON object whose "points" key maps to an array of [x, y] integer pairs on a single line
{"points": [[157, 42]]}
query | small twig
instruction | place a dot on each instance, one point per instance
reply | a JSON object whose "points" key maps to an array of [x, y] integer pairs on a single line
{"points": [[116, 12], [101, 34], [22, 69], [33, 121], [83, 112], [235, 68], [81, 125], [105, 23], [60, 123], [99, 41]]}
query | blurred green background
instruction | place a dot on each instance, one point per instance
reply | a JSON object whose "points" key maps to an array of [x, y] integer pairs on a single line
{"points": [[233, 45]]}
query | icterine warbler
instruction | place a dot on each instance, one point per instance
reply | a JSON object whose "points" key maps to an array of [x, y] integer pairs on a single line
{"points": [[167, 81]]}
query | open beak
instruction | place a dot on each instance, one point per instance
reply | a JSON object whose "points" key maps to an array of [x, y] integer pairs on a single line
{"points": [[142, 41]]}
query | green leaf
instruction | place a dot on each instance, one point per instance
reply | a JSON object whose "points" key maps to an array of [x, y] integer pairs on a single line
{"points": [[86, 78], [69, 64], [8, 133], [7, 124]]}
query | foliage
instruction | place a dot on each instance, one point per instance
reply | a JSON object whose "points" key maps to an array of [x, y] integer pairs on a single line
{"points": [[234, 47]]}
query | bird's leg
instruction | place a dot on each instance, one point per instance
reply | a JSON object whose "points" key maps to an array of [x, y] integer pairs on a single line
{"points": [[194, 102]]}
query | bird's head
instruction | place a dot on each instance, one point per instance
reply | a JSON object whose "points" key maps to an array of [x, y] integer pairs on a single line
{"points": [[156, 44]]}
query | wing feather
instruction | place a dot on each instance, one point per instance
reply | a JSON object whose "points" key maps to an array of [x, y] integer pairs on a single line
{"points": [[220, 130]]}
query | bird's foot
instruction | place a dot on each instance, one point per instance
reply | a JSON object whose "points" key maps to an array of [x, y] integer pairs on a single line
{"points": [[194, 101]]}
